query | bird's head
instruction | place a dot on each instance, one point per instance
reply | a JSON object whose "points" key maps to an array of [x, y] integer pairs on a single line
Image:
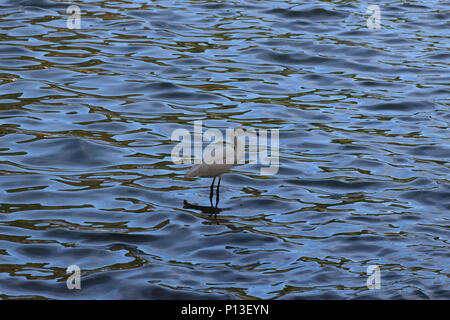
{"points": [[242, 130], [239, 129]]}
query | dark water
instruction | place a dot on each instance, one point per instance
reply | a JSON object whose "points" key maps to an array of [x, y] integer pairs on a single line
{"points": [[86, 176]]}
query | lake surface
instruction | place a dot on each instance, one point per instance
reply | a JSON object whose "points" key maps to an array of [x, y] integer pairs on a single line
{"points": [[87, 179]]}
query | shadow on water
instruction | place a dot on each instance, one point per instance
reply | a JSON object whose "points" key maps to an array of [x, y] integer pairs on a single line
{"points": [[210, 214], [211, 210]]}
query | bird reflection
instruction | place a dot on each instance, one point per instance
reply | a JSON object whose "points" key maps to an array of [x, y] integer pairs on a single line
{"points": [[212, 215], [212, 210]]}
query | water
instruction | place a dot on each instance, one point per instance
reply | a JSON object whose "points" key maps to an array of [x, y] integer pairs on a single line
{"points": [[86, 117]]}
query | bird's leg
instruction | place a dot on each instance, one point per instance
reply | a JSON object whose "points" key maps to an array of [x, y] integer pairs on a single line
{"points": [[217, 191], [211, 191]]}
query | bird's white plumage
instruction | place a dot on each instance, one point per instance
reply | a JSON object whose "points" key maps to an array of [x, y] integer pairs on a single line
{"points": [[209, 169]]}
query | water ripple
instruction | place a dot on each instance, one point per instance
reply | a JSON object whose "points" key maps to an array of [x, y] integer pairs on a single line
{"points": [[86, 117]]}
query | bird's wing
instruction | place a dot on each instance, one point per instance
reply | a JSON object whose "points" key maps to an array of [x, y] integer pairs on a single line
{"points": [[192, 172]]}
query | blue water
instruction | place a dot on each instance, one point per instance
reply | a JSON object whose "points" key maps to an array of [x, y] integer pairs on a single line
{"points": [[87, 179]]}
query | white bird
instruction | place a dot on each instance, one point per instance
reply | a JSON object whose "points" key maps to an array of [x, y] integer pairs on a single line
{"points": [[212, 170]]}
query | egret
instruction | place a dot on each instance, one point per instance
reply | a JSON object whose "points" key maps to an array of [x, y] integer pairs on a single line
{"points": [[213, 170]]}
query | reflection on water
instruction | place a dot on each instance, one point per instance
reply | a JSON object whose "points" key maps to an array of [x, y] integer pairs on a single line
{"points": [[211, 210], [86, 177]]}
